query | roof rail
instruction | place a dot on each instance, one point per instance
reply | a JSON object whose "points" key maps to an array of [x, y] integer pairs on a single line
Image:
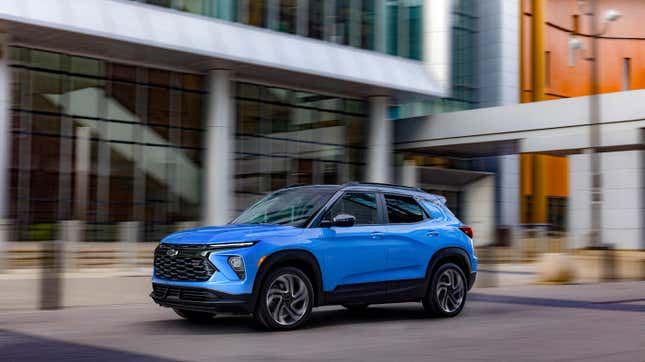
{"points": [[357, 183], [296, 185]]}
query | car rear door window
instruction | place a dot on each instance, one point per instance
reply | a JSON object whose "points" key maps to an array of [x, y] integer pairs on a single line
{"points": [[403, 209], [361, 205]]}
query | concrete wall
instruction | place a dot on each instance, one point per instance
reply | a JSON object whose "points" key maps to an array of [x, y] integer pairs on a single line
{"points": [[498, 52], [479, 209], [623, 207], [508, 202]]}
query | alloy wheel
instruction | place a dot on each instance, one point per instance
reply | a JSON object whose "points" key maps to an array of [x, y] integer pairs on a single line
{"points": [[287, 299], [450, 290]]}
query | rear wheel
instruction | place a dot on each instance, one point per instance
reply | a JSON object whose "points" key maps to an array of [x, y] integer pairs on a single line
{"points": [[446, 295], [285, 299], [194, 316]]}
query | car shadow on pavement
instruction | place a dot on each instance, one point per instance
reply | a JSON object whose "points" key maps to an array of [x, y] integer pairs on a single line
{"points": [[234, 324], [373, 314], [19, 347]]}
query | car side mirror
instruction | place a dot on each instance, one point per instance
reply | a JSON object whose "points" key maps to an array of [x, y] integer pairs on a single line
{"points": [[343, 220]]}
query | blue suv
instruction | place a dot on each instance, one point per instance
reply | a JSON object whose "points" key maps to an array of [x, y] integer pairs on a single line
{"points": [[307, 246]]}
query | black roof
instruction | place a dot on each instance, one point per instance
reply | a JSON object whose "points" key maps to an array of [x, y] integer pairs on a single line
{"points": [[379, 184]]}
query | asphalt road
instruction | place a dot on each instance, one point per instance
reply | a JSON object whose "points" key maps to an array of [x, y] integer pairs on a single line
{"points": [[602, 322]]}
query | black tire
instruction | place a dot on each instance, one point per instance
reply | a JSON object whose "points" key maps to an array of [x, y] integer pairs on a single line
{"points": [[274, 282], [358, 307], [194, 316], [439, 303]]}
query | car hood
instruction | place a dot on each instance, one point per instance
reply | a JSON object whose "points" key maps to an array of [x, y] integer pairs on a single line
{"points": [[228, 233]]}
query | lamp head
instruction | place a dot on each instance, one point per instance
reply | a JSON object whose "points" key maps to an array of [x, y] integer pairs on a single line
{"points": [[612, 15], [574, 43]]}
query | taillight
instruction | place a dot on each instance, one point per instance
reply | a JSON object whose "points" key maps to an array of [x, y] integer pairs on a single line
{"points": [[467, 230]]}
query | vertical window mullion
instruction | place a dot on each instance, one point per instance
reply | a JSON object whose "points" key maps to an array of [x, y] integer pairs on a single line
{"points": [[24, 152]]}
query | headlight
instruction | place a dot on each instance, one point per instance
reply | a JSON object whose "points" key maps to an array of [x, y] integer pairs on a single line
{"points": [[235, 245], [237, 264]]}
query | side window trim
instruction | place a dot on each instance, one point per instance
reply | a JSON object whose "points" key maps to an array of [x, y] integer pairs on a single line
{"points": [[382, 209]]}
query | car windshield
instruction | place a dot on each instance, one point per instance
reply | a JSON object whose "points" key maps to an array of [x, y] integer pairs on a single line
{"points": [[293, 206]]}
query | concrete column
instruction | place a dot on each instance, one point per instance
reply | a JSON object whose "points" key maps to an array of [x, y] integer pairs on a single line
{"points": [[82, 166], [623, 224], [71, 235], [540, 203], [509, 190], [218, 190], [498, 52], [437, 27], [379, 144], [5, 148], [409, 173], [479, 209]]}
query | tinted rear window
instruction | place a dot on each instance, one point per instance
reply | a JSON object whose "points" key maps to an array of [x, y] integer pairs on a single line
{"points": [[403, 209]]}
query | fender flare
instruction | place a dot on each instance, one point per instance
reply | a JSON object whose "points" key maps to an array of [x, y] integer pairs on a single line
{"points": [[441, 254], [286, 257]]}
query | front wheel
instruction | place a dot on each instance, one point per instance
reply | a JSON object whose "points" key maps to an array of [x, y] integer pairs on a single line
{"points": [[285, 300], [446, 295]]}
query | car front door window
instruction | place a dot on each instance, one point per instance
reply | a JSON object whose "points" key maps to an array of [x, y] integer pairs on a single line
{"points": [[362, 206]]}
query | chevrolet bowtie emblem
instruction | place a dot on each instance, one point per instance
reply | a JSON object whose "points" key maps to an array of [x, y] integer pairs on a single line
{"points": [[172, 252]]}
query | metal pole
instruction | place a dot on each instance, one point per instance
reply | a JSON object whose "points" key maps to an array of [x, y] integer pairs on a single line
{"points": [[596, 171], [50, 279], [594, 111]]}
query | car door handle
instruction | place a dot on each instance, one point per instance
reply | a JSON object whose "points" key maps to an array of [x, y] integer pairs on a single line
{"points": [[376, 235], [433, 234]]}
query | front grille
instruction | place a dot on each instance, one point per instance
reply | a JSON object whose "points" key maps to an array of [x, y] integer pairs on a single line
{"points": [[188, 294], [187, 265]]}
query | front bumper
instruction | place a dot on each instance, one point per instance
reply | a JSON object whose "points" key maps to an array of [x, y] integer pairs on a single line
{"points": [[200, 299]]}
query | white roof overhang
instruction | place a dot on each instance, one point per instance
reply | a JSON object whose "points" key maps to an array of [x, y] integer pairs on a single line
{"points": [[134, 32]]}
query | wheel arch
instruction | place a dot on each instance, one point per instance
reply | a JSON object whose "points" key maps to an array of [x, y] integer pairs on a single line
{"points": [[455, 255], [298, 258]]}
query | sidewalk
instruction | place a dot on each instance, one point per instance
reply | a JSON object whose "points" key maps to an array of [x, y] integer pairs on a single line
{"points": [[114, 286], [117, 286]]}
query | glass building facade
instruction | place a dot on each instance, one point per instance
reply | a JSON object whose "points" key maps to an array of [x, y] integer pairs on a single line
{"points": [[464, 67], [107, 143], [103, 142], [349, 22], [289, 137], [356, 23]]}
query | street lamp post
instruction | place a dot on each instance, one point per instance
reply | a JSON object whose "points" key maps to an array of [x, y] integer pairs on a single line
{"points": [[590, 8]]}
